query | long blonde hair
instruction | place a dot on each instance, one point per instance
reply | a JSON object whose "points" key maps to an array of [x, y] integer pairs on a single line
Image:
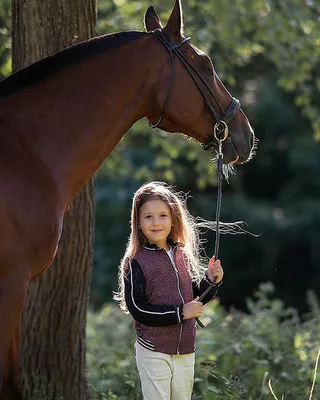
{"points": [[184, 230]]}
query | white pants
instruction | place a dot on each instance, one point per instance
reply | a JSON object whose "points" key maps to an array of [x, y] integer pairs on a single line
{"points": [[164, 376]]}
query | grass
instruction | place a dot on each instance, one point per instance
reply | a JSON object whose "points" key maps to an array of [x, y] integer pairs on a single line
{"points": [[313, 382]]}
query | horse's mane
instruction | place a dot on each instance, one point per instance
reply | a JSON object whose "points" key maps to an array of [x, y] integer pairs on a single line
{"points": [[50, 65]]}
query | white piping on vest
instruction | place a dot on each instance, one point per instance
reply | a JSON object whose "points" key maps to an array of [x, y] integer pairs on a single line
{"points": [[147, 312], [147, 344]]}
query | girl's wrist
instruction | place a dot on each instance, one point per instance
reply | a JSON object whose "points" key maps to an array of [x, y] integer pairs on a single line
{"points": [[210, 276]]}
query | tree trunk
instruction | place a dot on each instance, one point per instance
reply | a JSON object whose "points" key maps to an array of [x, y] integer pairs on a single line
{"points": [[54, 319]]}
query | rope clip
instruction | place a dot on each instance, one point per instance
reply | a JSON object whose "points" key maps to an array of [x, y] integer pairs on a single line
{"points": [[220, 128]]}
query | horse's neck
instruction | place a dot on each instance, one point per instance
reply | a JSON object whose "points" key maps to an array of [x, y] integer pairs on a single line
{"points": [[77, 117]]}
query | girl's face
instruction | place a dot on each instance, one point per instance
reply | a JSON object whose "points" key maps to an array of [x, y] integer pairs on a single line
{"points": [[155, 222]]}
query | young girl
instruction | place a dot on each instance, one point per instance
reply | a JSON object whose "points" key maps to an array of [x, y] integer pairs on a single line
{"points": [[161, 277]]}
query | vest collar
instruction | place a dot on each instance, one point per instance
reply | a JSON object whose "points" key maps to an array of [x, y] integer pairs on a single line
{"points": [[153, 246]]}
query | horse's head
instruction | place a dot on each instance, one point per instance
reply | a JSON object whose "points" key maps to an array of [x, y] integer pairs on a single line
{"points": [[190, 97]]}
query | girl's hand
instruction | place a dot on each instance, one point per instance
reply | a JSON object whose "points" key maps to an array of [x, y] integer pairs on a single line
{"points": [[192, 309], [215, 269]]}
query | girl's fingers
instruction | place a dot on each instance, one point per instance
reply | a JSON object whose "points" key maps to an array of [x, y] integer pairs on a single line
{"points": [[213, 262], [218, 273]]}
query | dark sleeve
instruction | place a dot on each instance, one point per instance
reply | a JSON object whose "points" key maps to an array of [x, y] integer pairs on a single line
{"points": [[200, 288], [138, 303]]}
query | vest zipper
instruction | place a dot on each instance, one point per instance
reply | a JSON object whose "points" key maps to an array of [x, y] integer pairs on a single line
{"points": [[178, 282]]}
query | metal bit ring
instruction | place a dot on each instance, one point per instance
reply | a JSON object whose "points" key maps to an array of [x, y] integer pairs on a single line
{"points": [[217, 129]]}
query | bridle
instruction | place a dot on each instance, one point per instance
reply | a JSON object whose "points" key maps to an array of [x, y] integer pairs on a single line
{"points": [[220, 130]]}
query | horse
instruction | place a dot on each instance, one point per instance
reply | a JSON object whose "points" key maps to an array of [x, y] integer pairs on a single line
{"points": [[60, 118]]}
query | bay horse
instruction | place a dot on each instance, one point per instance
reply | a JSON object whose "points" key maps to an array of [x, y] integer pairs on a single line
{"points": [[60, 118]]}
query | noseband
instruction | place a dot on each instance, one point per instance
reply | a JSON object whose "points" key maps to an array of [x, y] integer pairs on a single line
{"points": [[220, 131]]}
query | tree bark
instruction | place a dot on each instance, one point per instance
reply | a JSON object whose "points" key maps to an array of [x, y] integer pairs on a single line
{"points": [[54, 319]]}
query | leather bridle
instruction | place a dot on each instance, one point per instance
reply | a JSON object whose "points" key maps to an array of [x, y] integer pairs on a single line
{"points": [[220, 130]]}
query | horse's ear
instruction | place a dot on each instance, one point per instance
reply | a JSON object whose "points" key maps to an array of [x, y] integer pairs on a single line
{"points": [[175, 22], [151, 20]]}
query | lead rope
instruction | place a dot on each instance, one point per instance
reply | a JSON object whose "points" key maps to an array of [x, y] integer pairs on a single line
{"points": [[219, 128]]}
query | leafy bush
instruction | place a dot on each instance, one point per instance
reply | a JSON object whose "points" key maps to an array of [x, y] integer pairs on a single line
{"points": [[237, 353], [110, 357]]}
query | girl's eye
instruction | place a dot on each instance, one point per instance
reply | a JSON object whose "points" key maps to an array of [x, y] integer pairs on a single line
{"points": [[163, 215]]}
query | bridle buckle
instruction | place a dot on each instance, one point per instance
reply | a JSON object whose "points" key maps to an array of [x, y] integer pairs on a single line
{"points": [[219, 128]]}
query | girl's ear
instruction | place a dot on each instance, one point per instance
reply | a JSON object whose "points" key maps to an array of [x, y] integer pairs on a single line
{"points": [[151, 20], [175, 24]]}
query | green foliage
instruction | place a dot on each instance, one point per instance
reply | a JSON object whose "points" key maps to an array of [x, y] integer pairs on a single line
{"points": [[261, 49], [237, 353], [110, 357], [252, 348], [5, 38], [284, 34], [276, 194]]}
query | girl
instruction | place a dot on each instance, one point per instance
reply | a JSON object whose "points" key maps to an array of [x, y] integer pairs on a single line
{"points": [[161, 277]]}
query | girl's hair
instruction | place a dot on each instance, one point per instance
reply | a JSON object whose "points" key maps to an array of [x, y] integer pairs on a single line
{"points": [[184, 231]]}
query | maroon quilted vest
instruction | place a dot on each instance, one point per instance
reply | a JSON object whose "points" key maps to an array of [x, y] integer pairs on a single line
{"points": [[167, 284]]}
